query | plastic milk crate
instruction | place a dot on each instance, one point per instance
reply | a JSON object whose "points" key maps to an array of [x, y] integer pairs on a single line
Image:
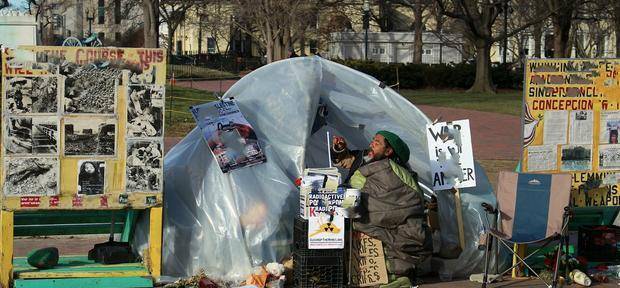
{"points": [[599, 243], [316, 267]]}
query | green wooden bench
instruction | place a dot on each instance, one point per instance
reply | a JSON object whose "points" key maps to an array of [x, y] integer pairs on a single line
{"points": [[77, 270]]}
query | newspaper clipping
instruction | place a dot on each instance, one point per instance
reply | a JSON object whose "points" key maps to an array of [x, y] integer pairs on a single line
{"points": [[230, 136], [609, 157], [610, 125], [542, 158], [31, 177], [581, 123], [555, 123]]}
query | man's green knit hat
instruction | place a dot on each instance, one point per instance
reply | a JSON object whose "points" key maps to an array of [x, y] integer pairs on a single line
{"points": [[400, 147]]}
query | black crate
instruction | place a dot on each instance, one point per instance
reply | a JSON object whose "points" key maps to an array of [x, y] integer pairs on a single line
{"points": [[318, 269], [599, 243], [300, 234]]}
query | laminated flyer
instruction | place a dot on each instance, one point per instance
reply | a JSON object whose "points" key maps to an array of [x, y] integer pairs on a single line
{"points": [[326, 232], [319, 192], [230, 136]]}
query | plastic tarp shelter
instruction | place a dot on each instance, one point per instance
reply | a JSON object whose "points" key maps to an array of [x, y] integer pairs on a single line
{"points": [[229, 223]]}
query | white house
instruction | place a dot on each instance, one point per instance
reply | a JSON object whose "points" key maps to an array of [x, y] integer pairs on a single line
{"points": [[396, 47]]}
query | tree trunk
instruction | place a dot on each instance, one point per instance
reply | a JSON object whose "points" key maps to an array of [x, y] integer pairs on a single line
{"points": [[537, 34], [171, 30], [150, 16], [562, 22], [418, 26], [483, 82]]}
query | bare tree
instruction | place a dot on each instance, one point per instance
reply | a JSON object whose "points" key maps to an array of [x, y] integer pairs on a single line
{"points": [[4, 3], [150, 16], [173, 13], [418, 7], [562, 19], [477, 18]]}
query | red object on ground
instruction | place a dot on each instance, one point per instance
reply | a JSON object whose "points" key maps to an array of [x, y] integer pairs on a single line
{"points": [[206, 283], [298, 182]]}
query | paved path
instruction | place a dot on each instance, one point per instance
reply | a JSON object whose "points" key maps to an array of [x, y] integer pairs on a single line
{"points": [[495, 136]]}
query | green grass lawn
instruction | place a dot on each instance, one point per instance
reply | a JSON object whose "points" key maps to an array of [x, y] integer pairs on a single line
{"points": [[504, 102], [179, 120], [187, 71]]}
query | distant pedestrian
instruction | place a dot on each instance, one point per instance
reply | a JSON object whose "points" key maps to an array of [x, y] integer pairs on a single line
{"points": [[292, 53]]}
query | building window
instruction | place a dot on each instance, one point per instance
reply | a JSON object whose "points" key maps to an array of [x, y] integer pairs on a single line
{"points": [[117, 11], [117, 37], [378, 50], [101, 36], [210, 45], [427, 51], [101, 12]]}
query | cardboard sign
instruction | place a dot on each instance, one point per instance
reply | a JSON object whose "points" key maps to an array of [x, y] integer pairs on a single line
{"points": [[451, 155], [368, 267]]}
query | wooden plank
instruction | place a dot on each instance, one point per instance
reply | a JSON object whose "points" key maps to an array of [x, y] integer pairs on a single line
{"points": [[77, 266], [459, 217], [118, 282], [130, 223], [155, 239], [6, 248], [66, 229]]}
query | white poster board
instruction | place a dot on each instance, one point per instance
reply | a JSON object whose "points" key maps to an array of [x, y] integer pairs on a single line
{"points": [[451, 155], [326, 234]]}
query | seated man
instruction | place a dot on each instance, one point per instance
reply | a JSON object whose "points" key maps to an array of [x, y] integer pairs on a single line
{"points": [[392, 206]]}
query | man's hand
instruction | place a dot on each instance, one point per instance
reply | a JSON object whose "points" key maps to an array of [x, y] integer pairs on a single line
{"points": [[339, 143]]}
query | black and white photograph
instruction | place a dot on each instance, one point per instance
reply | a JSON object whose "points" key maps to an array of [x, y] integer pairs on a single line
{"points": [[91, 177], [576, 157], [32, 95], [143, 77], [18, 139], [90, 89], [144, 165], [87, 136], [143, 179], [45, 135], [145, 115], [144, 153], [31, 176]]}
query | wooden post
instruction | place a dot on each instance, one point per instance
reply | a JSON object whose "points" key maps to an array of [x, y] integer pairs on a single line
{"points": [[155, 240], [6, 248], [459, 217]]}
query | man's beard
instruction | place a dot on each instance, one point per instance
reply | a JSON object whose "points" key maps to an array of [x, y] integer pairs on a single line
{"points": [[375, 157]]}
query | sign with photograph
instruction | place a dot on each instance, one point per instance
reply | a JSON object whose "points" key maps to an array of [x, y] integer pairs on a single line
{"points": [[451, 155], [319, 192], [82, 127], [230, 136], [570, 125]]}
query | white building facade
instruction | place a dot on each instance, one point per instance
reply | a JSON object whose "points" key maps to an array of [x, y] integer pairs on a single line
{"points": [[396, 47]]}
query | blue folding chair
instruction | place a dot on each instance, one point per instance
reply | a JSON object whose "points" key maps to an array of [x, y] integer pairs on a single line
{"points": [[533, 208]]}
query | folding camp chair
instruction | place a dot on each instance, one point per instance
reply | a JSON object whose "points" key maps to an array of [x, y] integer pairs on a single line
{"points": [[533, 208]]}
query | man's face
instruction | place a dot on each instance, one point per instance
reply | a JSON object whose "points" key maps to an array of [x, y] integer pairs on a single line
{"points": [[378, 148]]}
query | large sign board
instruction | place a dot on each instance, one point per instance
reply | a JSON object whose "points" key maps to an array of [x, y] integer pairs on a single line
{"points": [[571, 123], [82, 128]]}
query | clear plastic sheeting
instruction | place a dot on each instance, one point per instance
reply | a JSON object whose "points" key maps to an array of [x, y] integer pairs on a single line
{"points": [[228, 223]]}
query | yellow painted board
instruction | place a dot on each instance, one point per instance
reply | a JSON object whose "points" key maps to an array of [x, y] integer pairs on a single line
{"points": [[6, 248], [586, 94], [155, 240], [134, 65]]}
